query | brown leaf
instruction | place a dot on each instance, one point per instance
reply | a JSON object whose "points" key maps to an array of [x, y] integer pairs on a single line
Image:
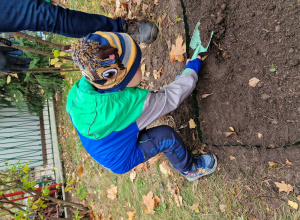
{"points": [[145, 7], [153, 160], [155, 2], [138, 2], [222, 207], [160, 72], [205, 95], [231, 157], [227, 134], [231, 128], [259, 135], [140, 167], [253, 82], [288, 162], [156, 201], [148, 201], [272, 164], [112, 192], [161, 20], [298, 198], [195, 206], [178, 200], [192, 123], [79, 171], [283, 187], [14, 75], [178, 50], [293, 204]]}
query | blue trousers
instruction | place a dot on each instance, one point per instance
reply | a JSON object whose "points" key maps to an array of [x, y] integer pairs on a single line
{"points": [[164, 139], [39, 15]]}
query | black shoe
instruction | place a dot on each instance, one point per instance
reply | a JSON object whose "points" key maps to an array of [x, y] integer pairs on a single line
{"points": [[142, 31]]}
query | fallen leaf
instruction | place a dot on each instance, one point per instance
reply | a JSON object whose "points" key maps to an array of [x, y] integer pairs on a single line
{"points": [[231, 157], [14, 75], [79, 171], [222, 207], [165, 169], [283, 187], [131, 215], [140, 167], [206, 95], [155, 2], [112, 192], [178, 50], [155, 74], [195, 206], [153, 160], [42, 91], [148, 201], [293, 204], [132, 175], [74, 130], [288, 162], [178, 200], [160, 72], [143, 69], [156, 201], [138, 2], [253, 82], [298, 197], [161, 20], [144, 8], [259, 135], [193, 136], [8, 79], [227, 134], [192, 123], [272, 164], [231, 128]]}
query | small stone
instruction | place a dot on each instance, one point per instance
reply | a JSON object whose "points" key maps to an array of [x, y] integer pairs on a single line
{"points": [[260, 84], [223, 6], [271, 100], [274, 122], [279, 89], [291, 50], [293, 62], [265, 53], [252, 14], [265, 96], [256, 71], [277, 28]]}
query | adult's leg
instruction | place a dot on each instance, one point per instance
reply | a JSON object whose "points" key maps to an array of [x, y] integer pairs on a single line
{"points": [[164, 139], [39, 15]]}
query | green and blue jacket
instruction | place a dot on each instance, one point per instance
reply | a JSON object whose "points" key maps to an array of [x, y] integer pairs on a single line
{"points": [[108, 124]]}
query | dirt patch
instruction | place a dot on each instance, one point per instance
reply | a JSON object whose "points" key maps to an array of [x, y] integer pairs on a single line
{"points": [[251, 39]]}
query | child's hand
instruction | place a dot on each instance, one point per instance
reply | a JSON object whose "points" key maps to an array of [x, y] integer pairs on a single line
{"points": [[194, 64]]}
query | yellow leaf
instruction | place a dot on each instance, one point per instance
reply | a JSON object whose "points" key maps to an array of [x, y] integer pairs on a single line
{"points": [[253, 82], [205, 95], [56, 53], [288, 162], [67, 189], [112, 192], [34, 206], [259, 135], [62, 53], [283, 187], [131, 215], [231, 128], [192, 123], [165, 169], [272, 164], [156, 201], [42, 91], [293, 204], [53, 61], [132, 175], [8, 79]]}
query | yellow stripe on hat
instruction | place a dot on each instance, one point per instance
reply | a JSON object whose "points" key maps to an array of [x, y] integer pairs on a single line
{"points": [[133, 54], [119, 43]]}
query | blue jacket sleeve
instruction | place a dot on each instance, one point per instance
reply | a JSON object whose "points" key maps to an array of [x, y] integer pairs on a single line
{"points": [[39, 15]]}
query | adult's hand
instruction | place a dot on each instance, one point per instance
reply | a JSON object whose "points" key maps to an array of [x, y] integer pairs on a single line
{"points": [[11, 64]]}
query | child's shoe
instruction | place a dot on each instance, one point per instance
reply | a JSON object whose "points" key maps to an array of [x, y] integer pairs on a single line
{"points": [[142, 31], [202, 166]]}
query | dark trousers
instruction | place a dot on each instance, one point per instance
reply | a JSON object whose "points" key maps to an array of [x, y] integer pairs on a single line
{"points": [[164, 139], [39, 15]]}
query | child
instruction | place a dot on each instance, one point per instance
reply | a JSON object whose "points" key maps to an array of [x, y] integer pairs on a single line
{"points": [[111, 113]]}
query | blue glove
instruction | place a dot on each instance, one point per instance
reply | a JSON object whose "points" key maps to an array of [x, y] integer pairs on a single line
{"points": [[194, 65]]}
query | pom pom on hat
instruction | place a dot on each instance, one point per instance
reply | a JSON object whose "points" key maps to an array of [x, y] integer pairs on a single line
{"points": [[108, 60]]}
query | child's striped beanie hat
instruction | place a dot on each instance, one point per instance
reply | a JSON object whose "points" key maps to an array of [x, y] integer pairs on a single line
{"points": [[108, 60]]}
